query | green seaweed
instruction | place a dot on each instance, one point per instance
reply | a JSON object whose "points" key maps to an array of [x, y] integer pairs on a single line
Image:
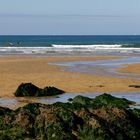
{"points": [[103, 100], [102, 118]]}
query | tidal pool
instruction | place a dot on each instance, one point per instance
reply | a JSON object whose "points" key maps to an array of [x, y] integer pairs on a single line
{"points": [[102, 67], [13, 102]]}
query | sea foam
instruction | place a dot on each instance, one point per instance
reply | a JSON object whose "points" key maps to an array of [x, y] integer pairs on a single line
{"points": [[87, 46], [68, 48]]}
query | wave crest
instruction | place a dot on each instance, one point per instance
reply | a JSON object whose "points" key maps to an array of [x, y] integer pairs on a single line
{"points": [[87, 46]]}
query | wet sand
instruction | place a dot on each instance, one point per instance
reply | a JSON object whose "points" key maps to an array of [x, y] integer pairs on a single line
{"points": [[19, 69], [103, 67], [132, 68]]}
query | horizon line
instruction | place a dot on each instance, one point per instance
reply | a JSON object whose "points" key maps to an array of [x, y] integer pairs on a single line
{"points": [[69, 35]]}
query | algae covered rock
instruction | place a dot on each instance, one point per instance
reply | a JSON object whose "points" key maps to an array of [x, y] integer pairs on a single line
{"points": [[109, 100], [4, 110], [83, 119], [28, 89], [103, 100], [83, 100]]}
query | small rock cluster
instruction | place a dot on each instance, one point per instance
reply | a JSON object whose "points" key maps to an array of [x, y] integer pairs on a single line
{"points": [[28, 89]]}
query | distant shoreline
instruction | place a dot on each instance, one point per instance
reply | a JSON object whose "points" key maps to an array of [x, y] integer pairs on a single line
{"points": [[63, 44]]}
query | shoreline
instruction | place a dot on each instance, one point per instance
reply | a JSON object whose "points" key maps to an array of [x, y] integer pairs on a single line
{"points": [[16, 102]]}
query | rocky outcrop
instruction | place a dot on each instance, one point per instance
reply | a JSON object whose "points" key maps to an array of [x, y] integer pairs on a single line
{"points": [[134, 86], [28, 89], [102, 118], [103, 100]]}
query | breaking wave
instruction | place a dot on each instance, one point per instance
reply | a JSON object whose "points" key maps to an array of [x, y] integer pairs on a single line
{"points": [[69, 48]]}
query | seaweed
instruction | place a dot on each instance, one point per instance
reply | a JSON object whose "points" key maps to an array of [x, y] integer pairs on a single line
{"points": [[103, 118]]}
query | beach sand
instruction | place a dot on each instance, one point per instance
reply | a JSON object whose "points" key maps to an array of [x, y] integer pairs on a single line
{"points": [[133, 68], [15, 70]]}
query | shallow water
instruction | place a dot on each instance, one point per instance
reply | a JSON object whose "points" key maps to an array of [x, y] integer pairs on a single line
{"points": [[116, 62], [8, 102], [13, 102], [102, 67], [134, 96]]}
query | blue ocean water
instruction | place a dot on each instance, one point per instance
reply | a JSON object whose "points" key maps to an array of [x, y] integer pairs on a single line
{"points": [[45, 44], [40, 41]]}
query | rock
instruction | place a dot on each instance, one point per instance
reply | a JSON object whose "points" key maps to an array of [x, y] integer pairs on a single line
{"points": [[103, 100], [84, 118], [49, 91], [109, 100], [85, 101], [4, 110], [70, 99], [134, 86], [28, 89]]}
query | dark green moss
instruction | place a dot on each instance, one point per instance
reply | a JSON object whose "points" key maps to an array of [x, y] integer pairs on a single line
{"points": [[136, 112], [33, 108], [58, 132], [85, 101], [109, 100], [4, 110], [103, 118], [103, 100]]}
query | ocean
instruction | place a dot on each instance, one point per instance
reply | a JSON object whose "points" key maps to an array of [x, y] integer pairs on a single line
{"points": [[68, 44]]}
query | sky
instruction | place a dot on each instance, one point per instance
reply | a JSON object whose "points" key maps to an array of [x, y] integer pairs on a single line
{"points": [[70, 17]]}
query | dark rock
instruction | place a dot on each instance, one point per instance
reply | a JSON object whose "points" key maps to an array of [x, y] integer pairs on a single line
{"points": [[49, 91], [70, 99], [134, 86], [84, 118], [103, 100], [109, 100], [82, 100], [28, 89], [4, 110]]}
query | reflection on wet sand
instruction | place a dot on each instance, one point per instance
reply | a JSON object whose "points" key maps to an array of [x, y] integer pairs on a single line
{"points": [[102, 67]]}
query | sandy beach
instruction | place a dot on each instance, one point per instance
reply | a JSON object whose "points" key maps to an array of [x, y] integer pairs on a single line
{"points": [[20, 69], [133, 68]]}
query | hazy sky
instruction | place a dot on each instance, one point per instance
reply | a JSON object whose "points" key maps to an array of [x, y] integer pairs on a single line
{"points": [[96, 17]]}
